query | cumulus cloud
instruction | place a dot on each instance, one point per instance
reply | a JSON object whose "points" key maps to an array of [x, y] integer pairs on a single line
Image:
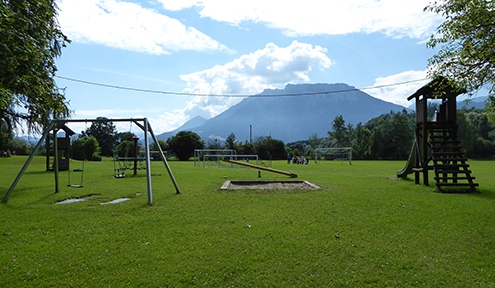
{"points": [[129, 26], [398, 93], [250, 74], [321, 17]]}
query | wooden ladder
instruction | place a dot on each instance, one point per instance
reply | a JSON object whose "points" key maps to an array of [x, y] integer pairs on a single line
{"points": [[449, 163]]}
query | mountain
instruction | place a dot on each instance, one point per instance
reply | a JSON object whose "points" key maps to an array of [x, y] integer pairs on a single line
{"points": [[290, 114], [188, 126], [478, 103]]}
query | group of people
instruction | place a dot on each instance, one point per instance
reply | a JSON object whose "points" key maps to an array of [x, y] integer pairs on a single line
{"points": [[297, 159], [7, 153]]}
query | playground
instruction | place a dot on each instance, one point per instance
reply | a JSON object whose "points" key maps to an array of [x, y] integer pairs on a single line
{"points": [[363, 227]]}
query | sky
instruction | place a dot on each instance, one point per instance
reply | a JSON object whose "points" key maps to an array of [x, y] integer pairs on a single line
{"points": [[158, 59]]}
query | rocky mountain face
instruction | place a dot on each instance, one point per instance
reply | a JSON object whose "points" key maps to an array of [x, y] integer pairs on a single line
{"points": [[290, 114]]}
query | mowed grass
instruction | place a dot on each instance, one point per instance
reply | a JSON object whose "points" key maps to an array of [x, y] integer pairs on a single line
{"points": [[363, 228]]}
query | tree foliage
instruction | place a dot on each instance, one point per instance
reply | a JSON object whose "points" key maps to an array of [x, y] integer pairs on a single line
{"points": [[393, 139], [184, 143], [341, 131], [30, 40], [230, 141], [105, 133], [86, 148], [270, 149], [466, 39]]}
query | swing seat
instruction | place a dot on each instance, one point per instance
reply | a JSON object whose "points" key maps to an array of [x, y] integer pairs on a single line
{"points": [[75, 186], [77, 170]]}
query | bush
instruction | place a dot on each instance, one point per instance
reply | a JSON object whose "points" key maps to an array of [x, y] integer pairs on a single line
{"points": [[86, 148]]}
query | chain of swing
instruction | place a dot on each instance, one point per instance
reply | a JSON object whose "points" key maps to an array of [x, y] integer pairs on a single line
{"points": [[78, 170]]}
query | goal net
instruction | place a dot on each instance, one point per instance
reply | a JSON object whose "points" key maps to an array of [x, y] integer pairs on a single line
{"points": [[215, 161], [342, 154], [199, 155]]}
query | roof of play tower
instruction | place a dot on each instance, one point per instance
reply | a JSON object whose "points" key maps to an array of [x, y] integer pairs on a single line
{"points": [[439, 88]]}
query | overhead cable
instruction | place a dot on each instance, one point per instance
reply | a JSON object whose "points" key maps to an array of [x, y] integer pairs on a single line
{"points": [[235, 95]]}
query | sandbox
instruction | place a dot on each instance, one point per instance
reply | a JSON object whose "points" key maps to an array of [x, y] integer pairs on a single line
{"points": [[247, 184]]}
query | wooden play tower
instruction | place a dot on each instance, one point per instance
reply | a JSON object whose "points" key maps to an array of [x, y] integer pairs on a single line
{"points": [[436, 146]]}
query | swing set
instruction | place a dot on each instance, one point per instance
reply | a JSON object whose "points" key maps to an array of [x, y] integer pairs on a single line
{"points": [[122, 164], [57, 125]]}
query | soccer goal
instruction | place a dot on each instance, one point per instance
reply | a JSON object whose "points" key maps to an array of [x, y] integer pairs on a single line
{"points": [[199, 155], [215, 161], [342, 154]]}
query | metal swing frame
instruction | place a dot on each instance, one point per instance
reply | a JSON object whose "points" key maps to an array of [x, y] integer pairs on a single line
{"points": [[142, 123]]}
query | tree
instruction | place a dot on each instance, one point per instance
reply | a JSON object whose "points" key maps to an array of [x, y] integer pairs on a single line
{"points": [[214, 144], [30, 40], [467, 38], [341, 133], [230, 142], [184, 143], [361, 142], [105, 133], [268, 148], [122, 136], [86, 148], [314, 140], [474, 132], [393, 139], [154, 146]]}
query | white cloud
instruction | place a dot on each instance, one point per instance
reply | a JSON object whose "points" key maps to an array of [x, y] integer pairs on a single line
{"points": [[247, 75], [175, 5], [252, 73], [322, 17], [129, 26], [398, 93]]}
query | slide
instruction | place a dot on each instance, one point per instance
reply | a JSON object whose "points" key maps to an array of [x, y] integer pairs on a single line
{"points": [[290, 174], [410, 163]]}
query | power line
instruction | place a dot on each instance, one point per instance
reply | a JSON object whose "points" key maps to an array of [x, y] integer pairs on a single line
{"points": [[234, 95]]}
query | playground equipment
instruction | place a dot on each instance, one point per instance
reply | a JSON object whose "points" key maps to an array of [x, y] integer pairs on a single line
{"points": [[63, 153], [63, 148], [55, 125], [290, 174], [436, 142]]}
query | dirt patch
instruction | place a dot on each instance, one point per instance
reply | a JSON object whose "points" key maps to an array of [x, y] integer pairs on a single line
{"points": [[268, 185]]}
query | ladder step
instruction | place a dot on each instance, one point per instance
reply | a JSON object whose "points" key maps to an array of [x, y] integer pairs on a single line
{"points": [[443, 159], [457, 184], [451, 166], [443, 142], [447, 152], [454, 178], [441, 171]]}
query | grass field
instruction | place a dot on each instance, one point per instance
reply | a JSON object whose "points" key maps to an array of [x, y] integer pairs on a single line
{"points": [[363, 228]]}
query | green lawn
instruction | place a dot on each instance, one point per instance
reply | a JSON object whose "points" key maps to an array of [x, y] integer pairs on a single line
{"points": [[363, 228]]}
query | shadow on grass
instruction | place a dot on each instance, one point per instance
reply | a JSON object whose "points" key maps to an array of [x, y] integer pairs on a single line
{"points": [[484, 193]]}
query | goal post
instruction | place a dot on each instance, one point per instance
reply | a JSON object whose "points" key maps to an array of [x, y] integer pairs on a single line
{"points": [[215, 160], [342, 154], [200, 153]]}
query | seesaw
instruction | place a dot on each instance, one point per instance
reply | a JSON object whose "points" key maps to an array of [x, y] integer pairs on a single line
{"points": [[290, 174]]}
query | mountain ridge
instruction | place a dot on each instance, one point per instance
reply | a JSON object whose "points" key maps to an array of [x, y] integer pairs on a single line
{"points": [[293, 113]]}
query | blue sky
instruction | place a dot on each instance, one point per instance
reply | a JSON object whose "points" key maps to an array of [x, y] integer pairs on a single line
{"points": [[233, 48]]}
